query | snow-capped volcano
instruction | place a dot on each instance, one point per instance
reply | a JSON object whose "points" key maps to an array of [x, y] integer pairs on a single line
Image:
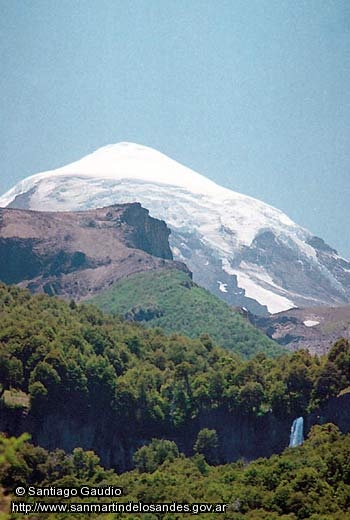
{"points": [[241, 249]]}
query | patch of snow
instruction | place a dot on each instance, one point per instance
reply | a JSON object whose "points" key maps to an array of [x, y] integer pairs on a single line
{"points": [[176, 251], [222, 286], [227, 267], [311, 323], [256, 284], [274, 302]]}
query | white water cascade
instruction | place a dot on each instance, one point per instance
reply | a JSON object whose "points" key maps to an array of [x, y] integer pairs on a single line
{"points": [[296, 433]]}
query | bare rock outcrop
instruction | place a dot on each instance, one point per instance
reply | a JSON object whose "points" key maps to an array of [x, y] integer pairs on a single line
{"points": [[79, 254]]}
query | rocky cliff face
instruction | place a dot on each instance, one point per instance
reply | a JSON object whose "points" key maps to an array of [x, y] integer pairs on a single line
{"points": [[79, 254], [146, 233], [240, 435]]}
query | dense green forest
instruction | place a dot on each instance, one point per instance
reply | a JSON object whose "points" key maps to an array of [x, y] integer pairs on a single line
{"points": [[68, 357], [73, 359], [308, 482], [171, 300]]}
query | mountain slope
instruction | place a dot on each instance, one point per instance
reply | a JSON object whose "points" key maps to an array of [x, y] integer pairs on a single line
{"points": [[170, 300], [315, 328], [102, 384], [78, 254], [244, 251]]}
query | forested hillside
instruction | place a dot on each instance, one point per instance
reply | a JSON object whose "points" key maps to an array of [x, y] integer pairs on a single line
{"points": [[51, 350], [70, 361], [171, 300]]}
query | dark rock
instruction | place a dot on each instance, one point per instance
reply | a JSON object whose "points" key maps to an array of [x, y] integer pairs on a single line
{"points": [[241, 436]]}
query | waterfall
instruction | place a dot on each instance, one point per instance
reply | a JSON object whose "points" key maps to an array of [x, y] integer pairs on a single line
{"points": [[296, 433]]}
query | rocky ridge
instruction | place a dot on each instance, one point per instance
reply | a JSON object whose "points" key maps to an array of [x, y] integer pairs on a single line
{"points": [[78, 254]]}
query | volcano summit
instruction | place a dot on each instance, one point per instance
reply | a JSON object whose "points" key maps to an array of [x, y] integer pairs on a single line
{"points": [[241, 249]]}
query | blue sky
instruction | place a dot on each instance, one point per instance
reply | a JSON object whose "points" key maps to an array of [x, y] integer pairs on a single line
{"points": [[253, 94]]}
